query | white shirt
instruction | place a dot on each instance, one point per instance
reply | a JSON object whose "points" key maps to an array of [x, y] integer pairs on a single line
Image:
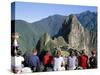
{"points": [[72, 62], [17, 61], [57, 63]]}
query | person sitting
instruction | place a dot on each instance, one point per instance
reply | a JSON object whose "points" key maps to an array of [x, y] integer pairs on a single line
{"points": [[72, 61], [17, 62], [93, 59], [26, 59], [47, 61], [58, 62], [83, 60], [34, 62]]}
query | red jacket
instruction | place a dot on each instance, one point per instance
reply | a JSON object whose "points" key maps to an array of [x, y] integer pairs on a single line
{"points": [[83, 61], [47, 59]]}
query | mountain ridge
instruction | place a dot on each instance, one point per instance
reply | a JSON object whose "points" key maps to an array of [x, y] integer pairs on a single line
{"points": [[52, 25]]}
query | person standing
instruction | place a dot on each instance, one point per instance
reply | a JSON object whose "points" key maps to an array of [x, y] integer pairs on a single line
{"points": [[93, 59]]}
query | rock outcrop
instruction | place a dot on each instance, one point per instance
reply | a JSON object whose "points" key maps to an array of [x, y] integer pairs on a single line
{"points": [[76, 35]]}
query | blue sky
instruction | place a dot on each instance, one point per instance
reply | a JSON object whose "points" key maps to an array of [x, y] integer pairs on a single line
{"points": [[32, 12]]}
